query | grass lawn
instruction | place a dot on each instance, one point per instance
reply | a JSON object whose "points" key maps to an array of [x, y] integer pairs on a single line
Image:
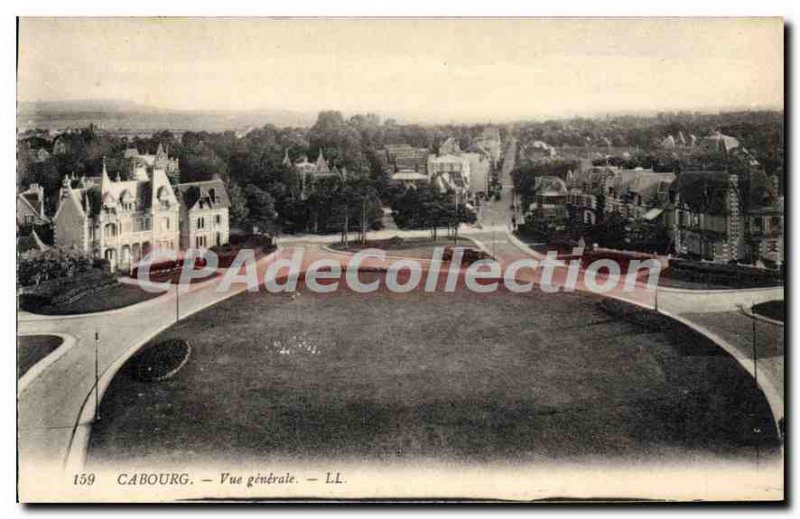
{"points": [[406, 247], [116, 296], [461, 376], [772, 309], [33, 348]]}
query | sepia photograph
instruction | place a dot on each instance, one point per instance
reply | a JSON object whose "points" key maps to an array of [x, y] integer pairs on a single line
{"points": [[420, 259]]}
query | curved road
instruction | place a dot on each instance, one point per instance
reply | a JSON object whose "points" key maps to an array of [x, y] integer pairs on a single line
{"points": [[56, 409]]}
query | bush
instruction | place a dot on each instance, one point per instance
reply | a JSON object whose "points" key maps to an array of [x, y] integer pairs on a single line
{"points": [[737, 276], [258, 243], [34, 266]]}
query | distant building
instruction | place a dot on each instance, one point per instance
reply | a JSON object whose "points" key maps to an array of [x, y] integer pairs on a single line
{"points": [[450, 173], [550, 198], [489, 142], [586, 188], [450, 146], [405, 157], [638, 193], [204, 213], [539, 150], [410, 178], [309, 172], [161, 160], [669, 143], [766, 233], [480, 167], [709, 222], [718, 142], [61, 145]]}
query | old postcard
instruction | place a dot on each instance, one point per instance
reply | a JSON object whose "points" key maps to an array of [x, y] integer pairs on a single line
{"points": [[505, 259]]}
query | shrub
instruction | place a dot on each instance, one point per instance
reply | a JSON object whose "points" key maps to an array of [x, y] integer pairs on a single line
{"points": [[34, 266]]}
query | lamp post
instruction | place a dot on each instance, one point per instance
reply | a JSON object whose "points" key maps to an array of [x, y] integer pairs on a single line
{"points": [[96, 376], [177, 301]]}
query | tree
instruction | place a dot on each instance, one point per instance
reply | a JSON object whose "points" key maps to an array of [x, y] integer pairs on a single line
{"points": [[239, 210], [261, 207]]}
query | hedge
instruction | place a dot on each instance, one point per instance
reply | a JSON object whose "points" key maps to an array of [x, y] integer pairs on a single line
{"points": [[65, 290]]}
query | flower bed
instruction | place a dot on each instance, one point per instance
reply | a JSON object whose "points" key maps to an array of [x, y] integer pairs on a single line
{"points": [[775, 310], [161, 360]]}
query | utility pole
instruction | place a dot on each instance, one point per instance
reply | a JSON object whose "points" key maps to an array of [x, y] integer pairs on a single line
{"points": [[455, 229], [494, 255], [655, 303], [96, 376], [755, 353], [177, 301], [364, 221], [757, 430]]}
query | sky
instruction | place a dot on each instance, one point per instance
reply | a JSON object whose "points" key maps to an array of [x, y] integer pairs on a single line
{"points": [[434, 70]]}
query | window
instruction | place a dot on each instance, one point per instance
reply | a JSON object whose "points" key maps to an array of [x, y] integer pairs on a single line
{"points": [[775, 223], [201, 223], [757, 224], [165, 224], [199, 241], [217, 219]]}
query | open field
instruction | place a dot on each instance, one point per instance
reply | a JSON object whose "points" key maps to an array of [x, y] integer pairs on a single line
{"points": [[462, 377]]}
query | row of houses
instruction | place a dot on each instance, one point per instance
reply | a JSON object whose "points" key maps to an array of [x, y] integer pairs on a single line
{"points": [[709, 215], [466, 173]]}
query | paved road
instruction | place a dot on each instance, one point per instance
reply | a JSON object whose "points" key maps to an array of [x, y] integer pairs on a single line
{"points": [[498, 213]]}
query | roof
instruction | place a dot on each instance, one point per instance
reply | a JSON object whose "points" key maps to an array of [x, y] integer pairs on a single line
{"points": [[718, 141], [30, 242], [409, 175], [652, 214], [704, 191], [548, 185], [445, 159], [190, 193], [648, 185], [32, 200]]}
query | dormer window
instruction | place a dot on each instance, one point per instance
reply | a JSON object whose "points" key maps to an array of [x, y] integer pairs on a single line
{"points": [[163, 197], [126, 201]]}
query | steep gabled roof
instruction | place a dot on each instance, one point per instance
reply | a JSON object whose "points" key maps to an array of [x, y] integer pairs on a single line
{"points": [[322, 165], [190, 193], [30, 242]]}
